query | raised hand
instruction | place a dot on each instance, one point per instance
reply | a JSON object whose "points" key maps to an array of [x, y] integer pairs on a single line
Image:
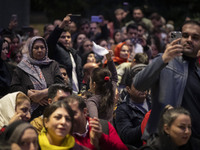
{"points": [[173, 50], [66, 21], [95, 132]]}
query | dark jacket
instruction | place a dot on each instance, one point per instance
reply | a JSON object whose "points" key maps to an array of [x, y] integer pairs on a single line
{"points": [[128, 122], [167, 83], [62, 55], [165, 143], [22, 82], [6, 72]]}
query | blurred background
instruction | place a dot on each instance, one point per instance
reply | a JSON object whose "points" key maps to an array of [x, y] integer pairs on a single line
{"points": [[36, 13]]}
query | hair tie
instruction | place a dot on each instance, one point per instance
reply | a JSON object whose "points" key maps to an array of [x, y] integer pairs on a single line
{"points": [[107, 78]]}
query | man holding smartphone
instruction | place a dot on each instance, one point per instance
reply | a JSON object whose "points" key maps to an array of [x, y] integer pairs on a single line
{"points": [[10, 30], [174, 79]]}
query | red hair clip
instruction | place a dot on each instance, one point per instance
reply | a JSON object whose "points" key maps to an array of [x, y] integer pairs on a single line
{"points": [[107, 78]]}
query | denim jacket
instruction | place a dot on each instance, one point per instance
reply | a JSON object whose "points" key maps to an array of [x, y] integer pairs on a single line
{"points": [[167, 83]]}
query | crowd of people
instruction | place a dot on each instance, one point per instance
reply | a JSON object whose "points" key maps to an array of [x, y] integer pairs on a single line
{"points": [[138, 90]]}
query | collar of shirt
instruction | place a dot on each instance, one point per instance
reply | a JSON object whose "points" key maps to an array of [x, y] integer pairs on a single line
{"points": [[86, 131]]}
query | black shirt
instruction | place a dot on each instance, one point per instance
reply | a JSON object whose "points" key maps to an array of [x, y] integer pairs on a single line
{"points": [[191, 98]]}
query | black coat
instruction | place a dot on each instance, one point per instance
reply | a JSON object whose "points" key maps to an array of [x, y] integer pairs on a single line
{"points": [[22, 82], [62, 55], [128, 122]]}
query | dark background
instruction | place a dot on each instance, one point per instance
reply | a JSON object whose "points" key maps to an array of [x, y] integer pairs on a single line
{"points": [[175, 10], [32, 12]]}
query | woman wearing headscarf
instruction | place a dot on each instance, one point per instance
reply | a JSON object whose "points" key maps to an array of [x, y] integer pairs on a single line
{"points": [[121, 54], [14, 106], [35, 73], [5, 69], [21, 133]]}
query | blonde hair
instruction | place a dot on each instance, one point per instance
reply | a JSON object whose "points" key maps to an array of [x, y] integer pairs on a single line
{"points": [[20, 98]]}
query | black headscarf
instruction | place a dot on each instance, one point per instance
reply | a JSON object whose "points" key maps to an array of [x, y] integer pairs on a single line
{"points": [[5, 75]]}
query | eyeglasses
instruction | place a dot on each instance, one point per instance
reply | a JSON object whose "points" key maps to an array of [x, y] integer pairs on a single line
{"points": [[37, 47]]}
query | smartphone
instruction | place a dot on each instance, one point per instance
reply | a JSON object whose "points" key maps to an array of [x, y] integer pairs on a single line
{"points": [[96, 19], [75, 17], [175, 35], [126, 6]]}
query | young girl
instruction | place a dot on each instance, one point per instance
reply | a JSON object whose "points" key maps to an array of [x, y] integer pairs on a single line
{"points": [[103, 84]]}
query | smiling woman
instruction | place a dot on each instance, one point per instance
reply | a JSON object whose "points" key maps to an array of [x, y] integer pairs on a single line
{"points": [[58, 123], [174, 132]]}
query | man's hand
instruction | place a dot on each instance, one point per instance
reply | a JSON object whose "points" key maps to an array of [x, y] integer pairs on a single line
{"points": [[66, 21], [44, 102], [173, 50], [37, 95], [95, 132], [109, 55]]}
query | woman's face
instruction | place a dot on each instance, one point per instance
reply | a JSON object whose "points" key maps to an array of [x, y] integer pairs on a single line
{"points": [[58, 124], [180, 130], [91, 58], [154, 50], [124, 53], [118, 37], [18, 57], [87, 46], [15, 42], [4, 51], [29, 140], [39, 50], [80, 39], [24, 109], [104, 44]]}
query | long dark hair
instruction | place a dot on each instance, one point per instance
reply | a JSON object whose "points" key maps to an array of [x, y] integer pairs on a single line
{"points": [[104, 88]]}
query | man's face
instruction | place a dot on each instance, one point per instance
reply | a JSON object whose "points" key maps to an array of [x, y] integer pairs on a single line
{"points": [[136, 95], [64, 74], [60, 94], [137, 15], [141, 31], [65, 39], [85, 29], [190, 40], [79, 117], [132, 33], [93, 27]]}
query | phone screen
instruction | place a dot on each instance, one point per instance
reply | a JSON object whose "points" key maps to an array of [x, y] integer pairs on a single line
{"points": [[125, 6], [14, 17], [96, 19]]}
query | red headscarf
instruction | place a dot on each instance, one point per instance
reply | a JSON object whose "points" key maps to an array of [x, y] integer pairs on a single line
{"points": [[117, 57]]}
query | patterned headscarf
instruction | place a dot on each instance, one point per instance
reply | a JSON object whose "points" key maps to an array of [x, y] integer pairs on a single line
{"points": [[32, 67]]}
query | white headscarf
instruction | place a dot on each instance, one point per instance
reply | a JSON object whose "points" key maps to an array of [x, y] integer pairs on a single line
{"points": [[8, 107]]}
